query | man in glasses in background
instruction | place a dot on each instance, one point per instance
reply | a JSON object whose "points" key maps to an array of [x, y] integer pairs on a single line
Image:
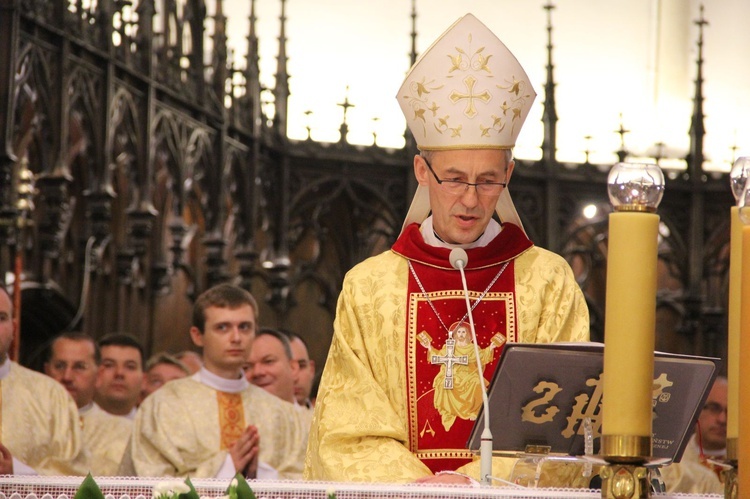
{"points": [[697, 473], [73, 362], [464, 101]]}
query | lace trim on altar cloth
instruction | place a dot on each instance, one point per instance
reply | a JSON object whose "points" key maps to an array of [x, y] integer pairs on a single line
{"points": [[39, 487]]}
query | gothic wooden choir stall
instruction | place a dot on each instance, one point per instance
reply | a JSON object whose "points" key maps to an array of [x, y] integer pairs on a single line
{"points": [[155, 176]]}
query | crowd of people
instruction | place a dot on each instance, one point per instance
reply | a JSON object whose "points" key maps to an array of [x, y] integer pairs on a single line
{"points": [[400, 391], [102, 406]]}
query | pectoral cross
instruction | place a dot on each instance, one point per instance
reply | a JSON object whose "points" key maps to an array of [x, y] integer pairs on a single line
{"points": [[449, 359]]}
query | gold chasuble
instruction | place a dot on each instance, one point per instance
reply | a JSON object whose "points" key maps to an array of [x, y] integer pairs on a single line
{"points": [[105, 438], [400, 391], [185, 428], [39, 422]]}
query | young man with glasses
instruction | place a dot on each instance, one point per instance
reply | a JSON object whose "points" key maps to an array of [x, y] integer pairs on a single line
{"points": [[379, 416]]}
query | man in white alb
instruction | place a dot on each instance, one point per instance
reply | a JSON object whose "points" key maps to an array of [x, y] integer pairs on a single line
{"points": [[215, 423]]}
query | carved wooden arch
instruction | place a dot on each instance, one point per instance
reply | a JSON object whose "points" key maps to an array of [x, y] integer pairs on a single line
{"points": [[168, 173], [85, 134], [584, 246], [356, 218], [529, 204], [716, 271], [584, 243], [123, 175], [673, 249], [239, 183], [186, 221], [86, 90], [715, 316], [124, 140], [195, 222], [207, 175], [36, 131], [178, 146]]}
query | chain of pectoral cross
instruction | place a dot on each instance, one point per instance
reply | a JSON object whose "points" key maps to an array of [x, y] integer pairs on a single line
{"points": [[432, 305]]}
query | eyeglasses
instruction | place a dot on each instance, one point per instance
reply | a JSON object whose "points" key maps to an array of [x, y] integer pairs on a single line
{"points": [[77, 367], [458, 187], [714, 408]]}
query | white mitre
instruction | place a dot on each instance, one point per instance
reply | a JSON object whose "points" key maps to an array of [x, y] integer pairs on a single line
{"points": [[467, 91]]}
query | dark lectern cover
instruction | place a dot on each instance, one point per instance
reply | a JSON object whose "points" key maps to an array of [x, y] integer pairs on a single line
{"points": [[541, 394]]}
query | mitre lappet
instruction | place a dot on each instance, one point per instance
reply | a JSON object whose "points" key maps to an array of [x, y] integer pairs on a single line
{"points": [[467, 91]]}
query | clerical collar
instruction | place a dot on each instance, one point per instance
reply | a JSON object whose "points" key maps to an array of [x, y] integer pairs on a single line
{"points": [[222, 384], [86, 408], [429, 236], [5, 368], [715, 453]]}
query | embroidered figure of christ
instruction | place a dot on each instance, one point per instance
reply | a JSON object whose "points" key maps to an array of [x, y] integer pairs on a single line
{"points": [[457, 388]]}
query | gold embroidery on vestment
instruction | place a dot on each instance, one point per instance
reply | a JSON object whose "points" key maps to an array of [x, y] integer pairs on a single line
{"points": [[231, 418]]}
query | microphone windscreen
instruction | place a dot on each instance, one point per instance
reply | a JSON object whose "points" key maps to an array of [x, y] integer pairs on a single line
{"points": [[458, 258]]}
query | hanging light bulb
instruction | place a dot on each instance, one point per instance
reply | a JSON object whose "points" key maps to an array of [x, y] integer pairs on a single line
{"points": [[738, 177]]}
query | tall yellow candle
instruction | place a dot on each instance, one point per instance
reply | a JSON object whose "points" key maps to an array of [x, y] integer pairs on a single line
{"points": [[738, 176], [630, 322], [743, 447], [733, 312]]}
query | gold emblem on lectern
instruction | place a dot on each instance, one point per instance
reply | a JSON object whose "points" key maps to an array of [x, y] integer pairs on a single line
{"points": [[549, 389], [585, 406]]}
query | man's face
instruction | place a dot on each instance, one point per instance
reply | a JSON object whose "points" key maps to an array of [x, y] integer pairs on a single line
{"points": [[73, 365], [120, 374], [6, 325], [713, 418], [462, 218], [306, 371], [160, 374], [226, 339], [269, 367]]}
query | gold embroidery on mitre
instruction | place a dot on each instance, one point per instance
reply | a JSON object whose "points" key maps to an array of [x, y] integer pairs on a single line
{"points": [[467, 90], [231, 418]]}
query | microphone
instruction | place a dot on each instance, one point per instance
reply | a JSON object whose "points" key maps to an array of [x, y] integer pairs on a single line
{"points": [[459, 259]]}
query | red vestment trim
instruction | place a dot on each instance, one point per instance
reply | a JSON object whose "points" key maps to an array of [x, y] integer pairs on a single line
{"points": [[441, 418]]}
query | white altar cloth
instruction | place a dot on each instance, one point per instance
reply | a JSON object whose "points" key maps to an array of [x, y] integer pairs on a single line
{"points": [[45, 487]]}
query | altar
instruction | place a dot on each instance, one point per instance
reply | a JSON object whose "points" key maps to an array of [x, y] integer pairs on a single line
{"points": [[40, 487]]}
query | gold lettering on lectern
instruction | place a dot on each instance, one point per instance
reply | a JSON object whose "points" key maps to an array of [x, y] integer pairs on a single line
{"points": [[586, 407], [549, 389]]}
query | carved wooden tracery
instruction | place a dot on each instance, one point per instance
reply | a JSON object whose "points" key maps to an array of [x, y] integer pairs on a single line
{"points": [[158, 175]]}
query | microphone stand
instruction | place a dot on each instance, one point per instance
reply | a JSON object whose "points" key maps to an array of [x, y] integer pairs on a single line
{"points": [[459, 259]]}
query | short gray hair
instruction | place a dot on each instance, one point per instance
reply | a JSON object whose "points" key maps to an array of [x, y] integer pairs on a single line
{"points": [[282, 337], [429, 153]]}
